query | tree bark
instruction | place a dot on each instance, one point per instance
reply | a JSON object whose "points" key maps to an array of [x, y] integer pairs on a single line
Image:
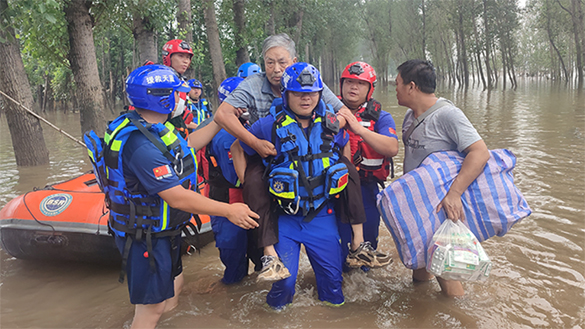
{"points": [[488, 69], [242, 55], [84, 66], [299, 25], [424, 29], [270, 25], [184, 18], [144, 37], [214, 44], [185, 21], [577, 22], [25, 130]]}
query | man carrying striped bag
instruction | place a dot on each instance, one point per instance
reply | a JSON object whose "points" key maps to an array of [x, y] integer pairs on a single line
{"points": [[434, 124]]}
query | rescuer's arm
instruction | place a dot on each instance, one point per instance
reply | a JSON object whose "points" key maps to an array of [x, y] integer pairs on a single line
{"points": [[227, 117], [382, 144], [190, 201], [239, 159], [201, 137]]}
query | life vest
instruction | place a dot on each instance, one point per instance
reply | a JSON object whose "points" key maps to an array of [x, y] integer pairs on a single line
{"points": [[371, 165], [221, 172], [200, 110], [307, 172], [132, 212]]}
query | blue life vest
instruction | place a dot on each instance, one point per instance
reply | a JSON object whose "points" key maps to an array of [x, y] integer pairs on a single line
{"points": [[132, 212], [200, 109], [307, 172]]}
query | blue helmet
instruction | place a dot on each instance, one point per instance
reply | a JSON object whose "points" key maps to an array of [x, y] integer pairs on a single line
{"points": [[227, 86], [194, 83], [152, 87], [300, 77], [248, 69]]}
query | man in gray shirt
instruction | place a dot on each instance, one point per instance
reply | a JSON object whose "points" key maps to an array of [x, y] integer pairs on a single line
{"points": [[434, 124], [256, 93]]}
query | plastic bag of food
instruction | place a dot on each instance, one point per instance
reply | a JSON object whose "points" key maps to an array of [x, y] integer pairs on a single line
{"points": [[456, 254]]}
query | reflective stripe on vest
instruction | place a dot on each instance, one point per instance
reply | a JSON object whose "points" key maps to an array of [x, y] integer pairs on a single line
{"points": [[309, 151], [150, 210]]}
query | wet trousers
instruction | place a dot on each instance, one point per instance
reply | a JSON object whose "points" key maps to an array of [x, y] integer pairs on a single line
{"points": [[236, 245], [321, 241], [371, 226]]}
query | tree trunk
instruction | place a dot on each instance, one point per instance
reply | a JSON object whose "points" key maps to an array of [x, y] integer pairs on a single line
{"points": [[242, 55], [478, 51], [84, 66], [144, 37], [465, 67], [25, 130], [214, 43], [424, 29], [488, 69], [504, 66], [270, 25], [552, 43], [184, 18], [47, 92], [185, 21], [299, 25]]}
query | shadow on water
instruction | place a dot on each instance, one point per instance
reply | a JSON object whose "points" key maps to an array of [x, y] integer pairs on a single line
{"points": [[538, 267]]}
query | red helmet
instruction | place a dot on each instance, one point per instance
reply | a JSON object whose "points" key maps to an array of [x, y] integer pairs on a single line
{"points": [[360, 71], [173, 47]]}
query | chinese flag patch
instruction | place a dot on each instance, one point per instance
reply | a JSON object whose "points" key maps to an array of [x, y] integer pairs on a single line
{"points": [[229, 155], [162, 172], [342, 180]]}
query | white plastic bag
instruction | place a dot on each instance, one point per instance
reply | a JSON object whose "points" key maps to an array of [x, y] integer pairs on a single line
{"points": [[456, 254]]}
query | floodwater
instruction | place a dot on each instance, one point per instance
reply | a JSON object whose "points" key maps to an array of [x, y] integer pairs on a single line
{"points": [[538, 271]]}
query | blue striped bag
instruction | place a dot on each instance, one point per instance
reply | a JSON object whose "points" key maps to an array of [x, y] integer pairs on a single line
{"points": [[492, 203]]}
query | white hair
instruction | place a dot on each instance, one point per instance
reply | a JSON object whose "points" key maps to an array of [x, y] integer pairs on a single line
{"points": [[279, 40]]}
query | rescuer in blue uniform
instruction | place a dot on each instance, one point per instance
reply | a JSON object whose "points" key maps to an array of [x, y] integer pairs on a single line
{"points": [[234, 243], [200, 107], [147, 173], [304, 177], [247, 69]]}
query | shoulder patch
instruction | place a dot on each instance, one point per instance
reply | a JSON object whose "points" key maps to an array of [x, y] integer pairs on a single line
{"points": [[162, 172]]}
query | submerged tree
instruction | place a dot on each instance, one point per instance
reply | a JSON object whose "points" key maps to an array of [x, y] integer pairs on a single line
{"points": [[25, 130]]}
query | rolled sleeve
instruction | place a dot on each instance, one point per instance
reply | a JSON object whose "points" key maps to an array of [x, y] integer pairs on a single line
{"points": [[330, 98]]}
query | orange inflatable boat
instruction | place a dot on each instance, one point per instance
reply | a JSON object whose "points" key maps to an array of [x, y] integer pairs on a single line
{"points": [[67, 221]]}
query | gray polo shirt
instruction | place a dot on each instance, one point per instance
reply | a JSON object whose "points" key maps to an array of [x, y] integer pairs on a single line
{"points": [[446, 129], [256, 95]]}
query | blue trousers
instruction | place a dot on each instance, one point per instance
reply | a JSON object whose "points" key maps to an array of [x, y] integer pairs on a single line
{"points": [[234, 252], [321, 240], [371, 226]]}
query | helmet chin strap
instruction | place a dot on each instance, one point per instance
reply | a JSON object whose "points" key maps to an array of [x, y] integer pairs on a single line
{"points": [[305, 117]]}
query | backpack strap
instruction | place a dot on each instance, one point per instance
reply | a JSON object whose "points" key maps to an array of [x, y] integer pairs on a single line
{"points": [[417, 121]]}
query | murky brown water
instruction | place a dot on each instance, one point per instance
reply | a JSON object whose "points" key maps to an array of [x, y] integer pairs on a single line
{"points": [[538, 268]]}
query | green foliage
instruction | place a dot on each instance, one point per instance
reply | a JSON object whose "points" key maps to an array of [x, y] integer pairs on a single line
{"points": [[333, 33]]}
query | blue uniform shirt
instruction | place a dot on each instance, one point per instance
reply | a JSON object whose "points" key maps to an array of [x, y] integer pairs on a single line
{"points": [[386, 125], [140, 158], [219, 147]]}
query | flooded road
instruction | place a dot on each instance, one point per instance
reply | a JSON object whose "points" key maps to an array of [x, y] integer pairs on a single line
{"points": [[538, 271]]}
